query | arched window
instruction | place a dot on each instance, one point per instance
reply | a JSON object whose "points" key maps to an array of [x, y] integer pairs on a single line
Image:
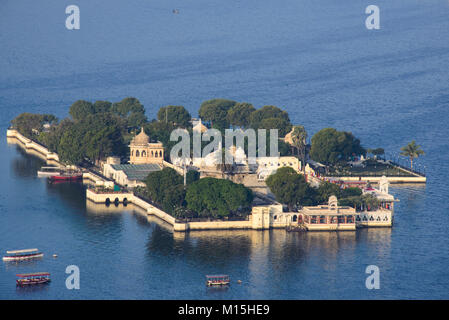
{"points": [[156, 154], [132, 153], [144, 154], [152, 154], [160, 154], [137, 153], [295, 217]]}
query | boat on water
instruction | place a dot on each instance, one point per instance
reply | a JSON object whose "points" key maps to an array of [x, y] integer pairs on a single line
{"points": [[49, 171], [26, 279], [217, 280], [25, 254], [66, 176]]}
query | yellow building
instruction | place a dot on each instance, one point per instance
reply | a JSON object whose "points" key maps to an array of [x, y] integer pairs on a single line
{"points": [[143, 151]]}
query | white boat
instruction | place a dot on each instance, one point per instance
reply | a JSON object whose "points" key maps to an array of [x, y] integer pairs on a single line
{"points": [[25, 254], [49, 171]]}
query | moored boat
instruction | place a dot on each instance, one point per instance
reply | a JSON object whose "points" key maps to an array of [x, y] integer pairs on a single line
{"points": [[217, 280], [26, 279], [68, 176], [25, 254]]}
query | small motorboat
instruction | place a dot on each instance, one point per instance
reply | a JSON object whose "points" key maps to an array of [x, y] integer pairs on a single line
{"points": [[25, 254], [217, 280], [26, 279]]}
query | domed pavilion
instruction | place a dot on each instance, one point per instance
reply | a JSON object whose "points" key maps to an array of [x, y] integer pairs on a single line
{"points": [[143, 151]]}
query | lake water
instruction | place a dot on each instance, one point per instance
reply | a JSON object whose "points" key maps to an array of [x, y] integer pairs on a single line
{"points": [[316, 59]]}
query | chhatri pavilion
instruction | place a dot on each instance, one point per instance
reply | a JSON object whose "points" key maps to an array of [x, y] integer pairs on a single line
{"points": [[142, 151]]}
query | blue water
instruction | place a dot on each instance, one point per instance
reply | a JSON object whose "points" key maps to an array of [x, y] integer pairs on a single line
{"points": [[316, 59]]}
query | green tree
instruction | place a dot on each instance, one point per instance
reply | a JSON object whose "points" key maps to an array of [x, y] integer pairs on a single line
{"points": [[282, 125], [31, 124], [71, 148], [350, 192], [177, 115], [102, 106], [52, 138], [216, 111], [95, 137], [299, 139], [159, 183], [174, 198], [330, 146], [132, 110], [239, 114], [290, 188], [267, 112], [369, 201], [192, 176], [80, 109], [218, 197], [327, 189], [412, 151]]}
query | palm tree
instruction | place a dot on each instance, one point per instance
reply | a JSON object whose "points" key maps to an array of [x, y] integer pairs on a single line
{"points": [[413, 151], [299, 136]]}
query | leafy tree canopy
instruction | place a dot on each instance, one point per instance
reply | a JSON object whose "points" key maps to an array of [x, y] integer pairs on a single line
{"points": [[216, 111], [30, 124], [218, 197], [327, 189], [131, 109], [94, 137], [267, 112], [102, 106], [330, 146], [159, 183], [192, 176], [177, 115], [80, 109], [281, 124], [239, 114], [290, 188]]}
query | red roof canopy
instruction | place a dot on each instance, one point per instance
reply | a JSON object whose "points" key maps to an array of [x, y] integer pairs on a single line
{"points": [[36, 274]]}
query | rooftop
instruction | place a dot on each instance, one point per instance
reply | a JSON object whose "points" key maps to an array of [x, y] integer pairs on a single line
{"points": [[137, 171]]}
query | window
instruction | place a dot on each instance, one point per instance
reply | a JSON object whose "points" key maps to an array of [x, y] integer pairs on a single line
{"points": [[137, 153]]}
